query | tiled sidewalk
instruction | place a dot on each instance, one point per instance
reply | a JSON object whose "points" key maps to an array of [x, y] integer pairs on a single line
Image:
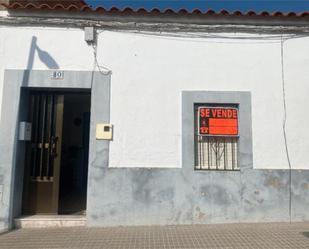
{"points": [[275, 235]]}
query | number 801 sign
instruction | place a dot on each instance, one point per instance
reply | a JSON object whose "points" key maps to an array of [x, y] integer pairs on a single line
{"points": [[57, 75]]}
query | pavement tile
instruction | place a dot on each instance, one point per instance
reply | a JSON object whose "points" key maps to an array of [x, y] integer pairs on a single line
{"points": [[225, 236]]}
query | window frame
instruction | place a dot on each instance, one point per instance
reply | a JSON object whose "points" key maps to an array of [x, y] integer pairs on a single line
{"points": [[240, 98], [196, 143]]}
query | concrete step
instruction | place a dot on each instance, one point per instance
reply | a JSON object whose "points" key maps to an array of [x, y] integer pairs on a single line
{"points": [[50, 221]]}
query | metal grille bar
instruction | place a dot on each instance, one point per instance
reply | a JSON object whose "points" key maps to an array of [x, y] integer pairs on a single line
{"points": [[42, 115], [216, 153]]}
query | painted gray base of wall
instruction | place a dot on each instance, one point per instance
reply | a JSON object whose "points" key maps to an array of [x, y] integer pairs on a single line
{"points": [[172, 196]]}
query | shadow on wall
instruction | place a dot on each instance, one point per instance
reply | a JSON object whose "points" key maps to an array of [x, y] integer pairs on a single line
{"points": [[47, 59], [44, 56]]}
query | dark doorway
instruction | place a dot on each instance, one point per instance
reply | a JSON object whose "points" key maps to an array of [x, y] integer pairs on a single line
{"points": [[75, 148], [57, 156]]}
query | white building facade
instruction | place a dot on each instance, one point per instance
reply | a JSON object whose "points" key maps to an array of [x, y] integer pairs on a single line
{"points": [[155, 69]]}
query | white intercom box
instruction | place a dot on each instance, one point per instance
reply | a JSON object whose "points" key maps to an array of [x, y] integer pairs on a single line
{"points": [[104, 131], [25, 131]]}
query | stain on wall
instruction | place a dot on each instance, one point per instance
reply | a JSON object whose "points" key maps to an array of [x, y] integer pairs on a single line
{"points": [[1, 193]]}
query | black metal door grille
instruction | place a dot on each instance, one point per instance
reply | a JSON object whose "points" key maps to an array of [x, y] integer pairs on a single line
{"points": [[43, 142]]}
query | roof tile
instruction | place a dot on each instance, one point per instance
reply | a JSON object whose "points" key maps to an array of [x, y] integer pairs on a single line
{"points": [[80, 5]]}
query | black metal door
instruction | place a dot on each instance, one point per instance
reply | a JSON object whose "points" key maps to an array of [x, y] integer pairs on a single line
{"points": [[41, 189]]}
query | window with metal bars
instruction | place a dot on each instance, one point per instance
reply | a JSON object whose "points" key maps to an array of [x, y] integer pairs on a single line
{"points": [[214, 152]]}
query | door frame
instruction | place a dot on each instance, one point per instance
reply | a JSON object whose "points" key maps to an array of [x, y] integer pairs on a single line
{"points": [[12, 112]]}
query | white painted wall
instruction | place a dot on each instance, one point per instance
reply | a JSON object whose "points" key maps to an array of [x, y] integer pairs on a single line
{"points": [[149, 72]]}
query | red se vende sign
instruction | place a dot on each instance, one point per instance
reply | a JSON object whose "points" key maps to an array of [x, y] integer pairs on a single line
{"points": [[218, 121]]}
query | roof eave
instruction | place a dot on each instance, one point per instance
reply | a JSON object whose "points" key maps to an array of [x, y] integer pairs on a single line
{"points": [[151, 17]]}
